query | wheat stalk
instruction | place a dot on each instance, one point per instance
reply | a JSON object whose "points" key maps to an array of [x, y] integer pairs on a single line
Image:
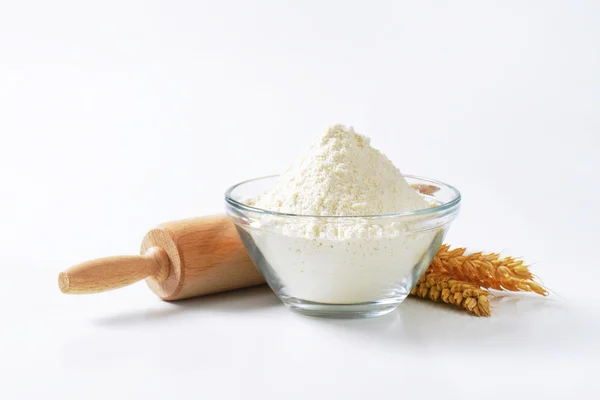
{"points": [[440, 287]]}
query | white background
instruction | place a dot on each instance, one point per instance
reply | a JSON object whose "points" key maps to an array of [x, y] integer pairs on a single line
{"points": [[118, 115]]}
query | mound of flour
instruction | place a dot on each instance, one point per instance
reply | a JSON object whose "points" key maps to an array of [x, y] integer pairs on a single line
{"points": [[341, 175], [340, 260]]}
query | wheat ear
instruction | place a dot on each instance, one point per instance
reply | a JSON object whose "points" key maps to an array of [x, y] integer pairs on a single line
{"points": [[440, 287], [486, 270]]}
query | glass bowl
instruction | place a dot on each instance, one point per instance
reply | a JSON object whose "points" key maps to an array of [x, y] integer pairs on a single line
{"points": [[342, 266]]}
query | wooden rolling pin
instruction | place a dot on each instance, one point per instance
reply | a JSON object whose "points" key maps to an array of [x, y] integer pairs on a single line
{"points": [[179, 259]]}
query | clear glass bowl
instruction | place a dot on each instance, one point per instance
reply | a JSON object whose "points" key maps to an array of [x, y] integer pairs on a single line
{"points": [[342, 267]]}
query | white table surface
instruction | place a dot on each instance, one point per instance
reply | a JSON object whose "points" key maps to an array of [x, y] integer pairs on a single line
{"points": [[117, 116]]}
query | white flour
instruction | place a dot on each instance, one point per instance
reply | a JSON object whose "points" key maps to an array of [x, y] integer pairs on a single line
{"points": [[343, 261], [342, 175]]}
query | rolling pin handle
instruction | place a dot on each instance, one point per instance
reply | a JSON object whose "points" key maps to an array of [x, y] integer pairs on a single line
{"points": [[114, 272]]}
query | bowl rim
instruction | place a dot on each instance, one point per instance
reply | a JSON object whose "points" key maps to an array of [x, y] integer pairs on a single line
{"points": [[454, 203]]}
